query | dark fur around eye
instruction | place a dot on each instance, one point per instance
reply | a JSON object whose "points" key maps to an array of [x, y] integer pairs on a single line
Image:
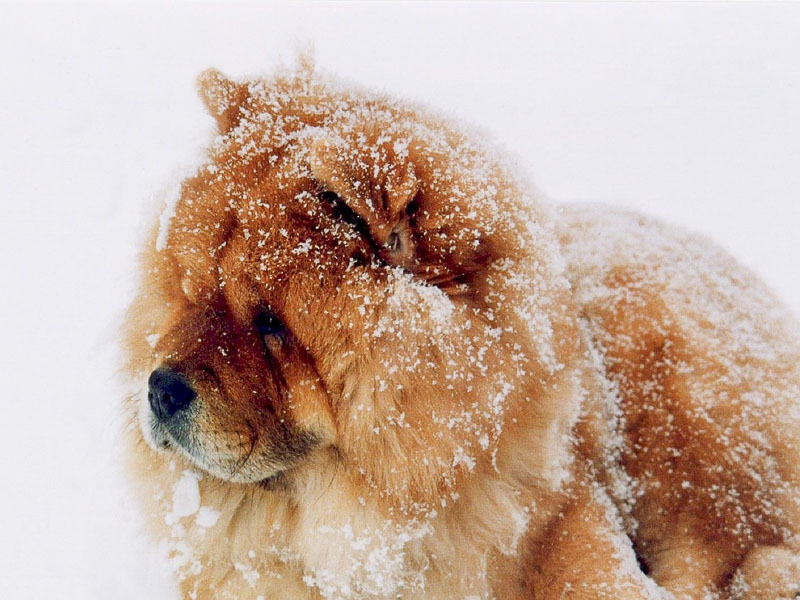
{"points": [[344, 213], [268, 323], [330, 197]]}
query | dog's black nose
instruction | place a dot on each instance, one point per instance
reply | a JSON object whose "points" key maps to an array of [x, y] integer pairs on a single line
{"points": [[169, 393]]}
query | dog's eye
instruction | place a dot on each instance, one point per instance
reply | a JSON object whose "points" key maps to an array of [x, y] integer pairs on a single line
{"points": [[267, 323], [394, 243]]}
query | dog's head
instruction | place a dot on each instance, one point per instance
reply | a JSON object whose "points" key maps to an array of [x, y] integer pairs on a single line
{"points": [[344, 279]]}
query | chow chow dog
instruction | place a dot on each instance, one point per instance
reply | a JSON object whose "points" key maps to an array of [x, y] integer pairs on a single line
{"points": [[372, 363]]}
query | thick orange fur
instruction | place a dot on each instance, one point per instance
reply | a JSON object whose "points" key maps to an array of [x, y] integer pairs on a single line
{"points": [[474, 396]]}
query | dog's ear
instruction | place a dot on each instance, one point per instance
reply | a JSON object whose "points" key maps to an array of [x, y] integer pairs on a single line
{"points": [[223, 98]]}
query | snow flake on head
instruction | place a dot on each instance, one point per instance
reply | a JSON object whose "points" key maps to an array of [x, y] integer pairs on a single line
{"points": [[431, 307], [171, 198]]}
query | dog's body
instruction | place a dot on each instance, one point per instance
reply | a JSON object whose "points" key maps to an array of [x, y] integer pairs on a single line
{"points": [[384, 370]]}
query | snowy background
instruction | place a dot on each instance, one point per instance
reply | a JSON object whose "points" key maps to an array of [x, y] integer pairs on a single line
{"points": [[690, 112]]}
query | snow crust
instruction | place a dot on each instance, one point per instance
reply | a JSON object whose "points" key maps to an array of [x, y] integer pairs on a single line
{"points": [[185, 496]]}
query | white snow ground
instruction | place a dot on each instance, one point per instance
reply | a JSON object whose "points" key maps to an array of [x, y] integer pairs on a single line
{"points": [[690, 112]]}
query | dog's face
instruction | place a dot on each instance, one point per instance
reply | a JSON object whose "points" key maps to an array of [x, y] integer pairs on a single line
{"points": [[331, 284]]}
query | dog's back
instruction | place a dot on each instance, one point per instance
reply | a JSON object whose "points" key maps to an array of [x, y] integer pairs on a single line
{"points": [[704, 369]]}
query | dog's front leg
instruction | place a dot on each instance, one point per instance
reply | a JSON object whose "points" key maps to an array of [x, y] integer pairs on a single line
{"points": [[585, 554]]}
